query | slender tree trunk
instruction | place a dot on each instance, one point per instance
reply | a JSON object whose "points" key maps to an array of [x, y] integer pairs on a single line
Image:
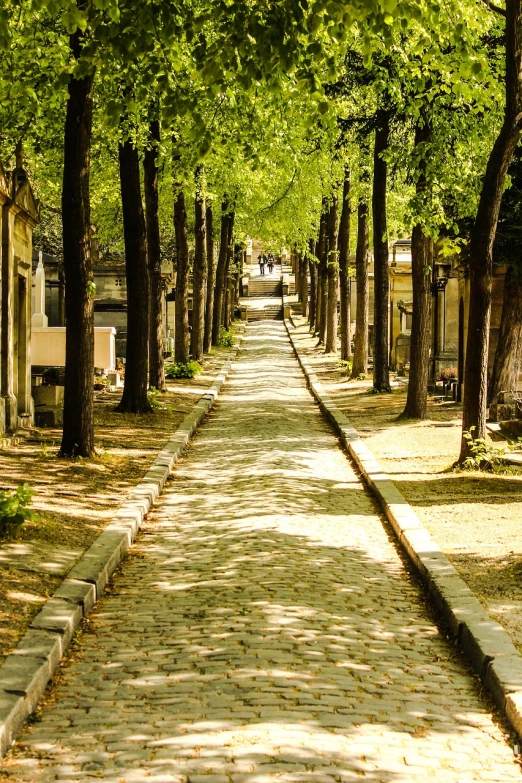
{"points": [[312, 263], [360, 348], [322, 275], [228, 270], [199, 276], [134, 398], [508, 354], [483, 236], [421, 264], [381, 282], [156, 329], [211, 279], [421, 259], [333, 279], [181, 337], [303, 283], [221, 270], [344, 266], [78, 417]]}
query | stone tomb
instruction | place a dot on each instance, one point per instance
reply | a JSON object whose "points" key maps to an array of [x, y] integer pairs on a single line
{"points": [[20, 214]]}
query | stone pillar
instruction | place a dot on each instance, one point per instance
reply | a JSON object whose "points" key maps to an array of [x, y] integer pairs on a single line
{"points": [[39, 317], [7, 373]]}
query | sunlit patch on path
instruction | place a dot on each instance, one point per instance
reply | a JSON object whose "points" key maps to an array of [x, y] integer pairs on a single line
{"points": [[264, 628]]}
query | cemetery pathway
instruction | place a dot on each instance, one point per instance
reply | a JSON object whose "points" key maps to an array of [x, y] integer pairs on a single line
{"points": [[263, 628]]}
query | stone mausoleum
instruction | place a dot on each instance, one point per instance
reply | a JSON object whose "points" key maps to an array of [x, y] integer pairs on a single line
{"points": [[20, 214]]}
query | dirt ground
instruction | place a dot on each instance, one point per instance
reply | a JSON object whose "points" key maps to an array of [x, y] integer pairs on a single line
{"points": [[74, 500], [476, 517]]}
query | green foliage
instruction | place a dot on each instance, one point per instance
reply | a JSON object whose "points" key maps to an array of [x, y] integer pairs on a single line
{"points": [[484, 456], [152, 396], [346, 365], [14, 508], [226, 338], [181, 370]]}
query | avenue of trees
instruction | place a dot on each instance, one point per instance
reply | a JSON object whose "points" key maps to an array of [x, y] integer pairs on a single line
{"points": [[174, 129]]}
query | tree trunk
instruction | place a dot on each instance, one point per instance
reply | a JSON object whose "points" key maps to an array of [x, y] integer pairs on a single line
{"points": [[156, 329], [360, 348], [421, 264], [381, 282], [313, 286], [508, 354], [181, 337], [303, 282], [483, 237], [134, 398], [221, 270], [211, 279], [333, 280], [344, 266], [322, 275], [421, 259], [78, 417], [199, 274], [228, 272]]}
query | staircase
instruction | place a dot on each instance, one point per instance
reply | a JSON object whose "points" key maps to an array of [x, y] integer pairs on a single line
{"points": [[264, 301]]}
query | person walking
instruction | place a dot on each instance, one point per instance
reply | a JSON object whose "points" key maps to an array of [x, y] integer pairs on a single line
{"points": [[261, 262], [270, 263]]}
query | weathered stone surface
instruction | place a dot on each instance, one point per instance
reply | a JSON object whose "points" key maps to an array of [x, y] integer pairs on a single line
{"points": [[60, 616], [23, 675], [77, 592], [41, 644]]}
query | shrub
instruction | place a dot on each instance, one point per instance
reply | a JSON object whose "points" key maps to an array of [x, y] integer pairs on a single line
{"points": [[484, 456], [346, 365], [226, 338], [152, 396], [14, 507], [448, 373], [181, 370]]}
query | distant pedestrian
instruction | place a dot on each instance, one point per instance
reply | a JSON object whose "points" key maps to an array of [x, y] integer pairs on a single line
{"points": [[261, 262], [270, 262]]}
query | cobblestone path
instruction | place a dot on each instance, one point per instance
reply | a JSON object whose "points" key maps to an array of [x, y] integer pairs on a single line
{"points": [[264, 628]]}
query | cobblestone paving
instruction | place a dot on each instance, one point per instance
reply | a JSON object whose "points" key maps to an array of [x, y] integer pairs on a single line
{"points": [[264, 629]]}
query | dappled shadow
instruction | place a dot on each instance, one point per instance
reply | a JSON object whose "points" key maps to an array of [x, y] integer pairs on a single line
{"points": [[264, 627]]}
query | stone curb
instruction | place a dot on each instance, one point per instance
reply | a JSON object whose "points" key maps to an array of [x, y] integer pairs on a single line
{"points": [[487, 646], [25, 673]]}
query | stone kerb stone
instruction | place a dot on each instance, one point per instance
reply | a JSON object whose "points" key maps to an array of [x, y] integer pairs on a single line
{"points": [[25, 673], [485, 643]]}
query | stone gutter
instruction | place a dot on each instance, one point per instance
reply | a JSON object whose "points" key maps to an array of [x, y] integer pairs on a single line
{"points": [[485, 643], [26, 672]]}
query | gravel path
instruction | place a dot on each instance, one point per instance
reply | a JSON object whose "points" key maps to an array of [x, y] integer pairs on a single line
{"points": [[264, 627]]}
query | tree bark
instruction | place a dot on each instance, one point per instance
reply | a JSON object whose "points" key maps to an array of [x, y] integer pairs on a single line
{"points": [[381, 282], [221, 270], [506, 366], [312, 263], [483, 237], [344, 266], [333, 279], [322, 275], [228, 273], [421, 265], [181, 337], [199, 274], [78, 416], [134, 398], [360, 348], [303, 282], [156, 328], [211, 279]]}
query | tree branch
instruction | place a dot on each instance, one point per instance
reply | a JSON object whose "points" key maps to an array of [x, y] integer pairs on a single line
{"points": [[495, 8]]}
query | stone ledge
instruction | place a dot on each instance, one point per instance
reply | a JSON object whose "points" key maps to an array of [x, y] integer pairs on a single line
{"points": [[25, 673], [485, 643]]}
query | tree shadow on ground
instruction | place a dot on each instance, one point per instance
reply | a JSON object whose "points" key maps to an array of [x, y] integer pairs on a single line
{"points": [[263, 629]]}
